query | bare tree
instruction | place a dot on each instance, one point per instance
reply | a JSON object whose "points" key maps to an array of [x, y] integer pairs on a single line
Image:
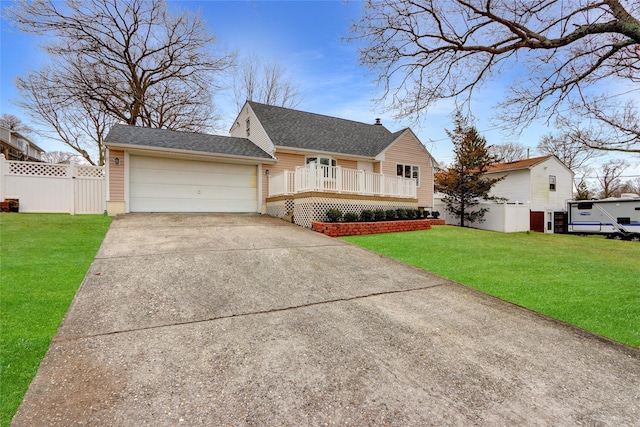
{"points": [[14, 123], [569, 147], [425, 51], [79, 123], [631, 186], [509, 152], [265, 82], [609, 178], [62, 157], [613, 126], [129, 61]]}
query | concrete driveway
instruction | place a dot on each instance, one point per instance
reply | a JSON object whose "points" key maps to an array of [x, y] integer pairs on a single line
{"points": [[212, 320]]}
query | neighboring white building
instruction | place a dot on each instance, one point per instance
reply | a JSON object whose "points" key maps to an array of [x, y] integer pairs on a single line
{"points": [[543, 182]]}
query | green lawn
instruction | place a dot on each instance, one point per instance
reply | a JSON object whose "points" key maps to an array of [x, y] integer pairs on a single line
{"points": [[590, 282], [43, 259]]}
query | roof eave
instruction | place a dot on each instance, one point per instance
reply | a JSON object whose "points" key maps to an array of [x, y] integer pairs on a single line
{"points": [[286, 148], [152, 149], [510, 170]]}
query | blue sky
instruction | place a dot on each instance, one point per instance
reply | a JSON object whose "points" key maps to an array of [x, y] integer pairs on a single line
{"points": [[306, 38]]}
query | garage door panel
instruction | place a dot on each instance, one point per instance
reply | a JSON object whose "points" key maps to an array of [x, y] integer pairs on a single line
{"points": [[177, 165], [192, 178], [171, 185], [195, 205], [155, 191]]}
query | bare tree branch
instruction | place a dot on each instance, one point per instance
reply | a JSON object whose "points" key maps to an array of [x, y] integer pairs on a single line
{"points": [[609, 178], [423, 51], [14, 123], [570, 148], [509, 152], [265, 82], [129, 61]]}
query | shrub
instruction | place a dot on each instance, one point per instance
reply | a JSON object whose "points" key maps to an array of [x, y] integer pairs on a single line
{"points": [[426, 214], [411, 214], [435, 214], [391, 215], [418, 214], [401, 213], [334, 215], [379, 215], [366, 215], [351, 217]]}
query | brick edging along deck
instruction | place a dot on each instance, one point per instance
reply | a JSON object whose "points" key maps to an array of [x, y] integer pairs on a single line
{"points": [[338, 229]]}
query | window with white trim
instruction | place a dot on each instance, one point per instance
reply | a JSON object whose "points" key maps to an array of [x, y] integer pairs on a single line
{"points": [[408, 171], [323, 161], [552, 183], [248, 127]]}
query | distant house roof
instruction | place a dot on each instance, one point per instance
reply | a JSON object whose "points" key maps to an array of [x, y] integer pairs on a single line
{"points": [[183, 141], [310, 131], [518, 164]]}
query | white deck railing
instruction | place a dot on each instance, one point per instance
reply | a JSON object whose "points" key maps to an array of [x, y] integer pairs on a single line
{"points": [[336, 179]]}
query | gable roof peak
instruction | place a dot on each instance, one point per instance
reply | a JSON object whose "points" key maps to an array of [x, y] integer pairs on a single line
{"points": [[317, 132], [284, 109]]}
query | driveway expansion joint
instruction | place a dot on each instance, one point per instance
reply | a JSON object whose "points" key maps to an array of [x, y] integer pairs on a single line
{"points": [[57, 339], [200, 251]]}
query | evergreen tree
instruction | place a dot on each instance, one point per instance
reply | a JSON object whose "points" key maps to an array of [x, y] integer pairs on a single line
{"points": [[583, 191], [464, 183]]}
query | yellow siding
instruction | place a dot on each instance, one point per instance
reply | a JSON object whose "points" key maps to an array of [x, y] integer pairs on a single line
{"points": [[408, 150], [116, 176]]}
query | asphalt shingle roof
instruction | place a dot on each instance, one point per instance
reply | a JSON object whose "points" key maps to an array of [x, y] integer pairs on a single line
{"points": [[186, 141], [300, 129], [518, 164]]}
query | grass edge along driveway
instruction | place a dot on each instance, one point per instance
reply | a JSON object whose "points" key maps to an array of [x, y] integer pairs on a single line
{"points": [[589, 282], [43, 260]]}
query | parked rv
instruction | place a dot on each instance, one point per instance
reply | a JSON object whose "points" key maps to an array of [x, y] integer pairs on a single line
{"points": [[616, 218]]}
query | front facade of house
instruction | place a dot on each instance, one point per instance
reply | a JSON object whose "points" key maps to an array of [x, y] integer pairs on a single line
{"points": [[543, 182], [278, 161]]}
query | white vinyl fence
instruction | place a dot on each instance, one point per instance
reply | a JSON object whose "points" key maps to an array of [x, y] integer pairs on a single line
{"points": [[503, 217], [53, 188]]}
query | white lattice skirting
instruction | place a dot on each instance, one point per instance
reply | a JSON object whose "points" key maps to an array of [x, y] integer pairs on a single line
{"points": [[308, 209]]}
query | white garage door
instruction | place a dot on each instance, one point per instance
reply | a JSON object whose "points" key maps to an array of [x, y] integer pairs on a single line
{"points": [[171, 185]]}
